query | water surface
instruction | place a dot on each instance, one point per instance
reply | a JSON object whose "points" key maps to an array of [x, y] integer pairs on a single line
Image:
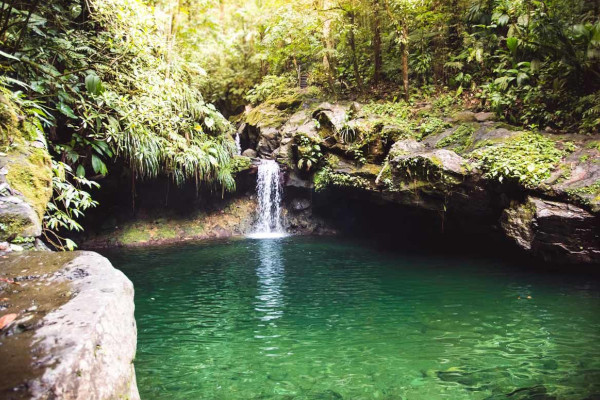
{"points": [[321, 318]]}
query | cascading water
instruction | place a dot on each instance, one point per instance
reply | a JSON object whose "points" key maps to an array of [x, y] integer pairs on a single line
{"points": [[269, 189], [238, 144]]}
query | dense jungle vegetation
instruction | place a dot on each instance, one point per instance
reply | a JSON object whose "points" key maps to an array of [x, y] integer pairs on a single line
{"points": [[143, 87]]}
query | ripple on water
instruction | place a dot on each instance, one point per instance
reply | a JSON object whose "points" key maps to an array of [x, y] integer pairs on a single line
{"points": [[321, 318]]}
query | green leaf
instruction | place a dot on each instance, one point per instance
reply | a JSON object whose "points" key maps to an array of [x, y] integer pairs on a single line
{"points": [[80, 171], [511, 44], [66, 110], [93, 84], [9, 56], [98, 165]]}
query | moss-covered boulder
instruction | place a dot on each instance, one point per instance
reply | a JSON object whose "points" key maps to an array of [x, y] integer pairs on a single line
{"points": [[17, 219], [25, 176], [29, 174]]}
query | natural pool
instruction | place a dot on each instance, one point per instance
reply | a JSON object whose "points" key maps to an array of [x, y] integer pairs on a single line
{"points": [[323, 318]]}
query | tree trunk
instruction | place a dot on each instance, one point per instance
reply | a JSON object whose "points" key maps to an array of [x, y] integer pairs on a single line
{"points": [[377, 41], [327, 59], [171, 33], [352, 40], [404, 50], [453, 28], [23, 31]]}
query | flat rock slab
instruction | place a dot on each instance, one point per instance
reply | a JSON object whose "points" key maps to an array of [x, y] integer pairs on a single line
{"points": [[74, 336]]}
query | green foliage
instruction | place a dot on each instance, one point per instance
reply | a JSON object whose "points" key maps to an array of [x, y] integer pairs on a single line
{"points": [[348, 132], [432, 126], [69, 201], [105, 84], [461, 139], [528, 158], [309, 153], [270, 87], [327, 177], [388, 109]]}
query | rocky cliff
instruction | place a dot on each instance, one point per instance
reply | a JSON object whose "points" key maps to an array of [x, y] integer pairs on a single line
{"points": [[541, 190]]}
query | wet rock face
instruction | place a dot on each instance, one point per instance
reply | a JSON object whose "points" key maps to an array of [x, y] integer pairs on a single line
{"points": [[554, 231]]}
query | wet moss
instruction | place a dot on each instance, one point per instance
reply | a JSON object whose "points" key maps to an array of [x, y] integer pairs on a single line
{"points": [[241, 163], [31, 175], [8, 121], [288, 102], [11, 226], [460, 140], [266, 115], [134, 234]]}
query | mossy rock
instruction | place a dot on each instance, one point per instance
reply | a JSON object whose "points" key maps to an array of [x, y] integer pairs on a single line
{"points": [[30, 174], [266, 115], [17, 219], [134, 234], [8, 121], [241, 163], [289, 102], [441, 167]]}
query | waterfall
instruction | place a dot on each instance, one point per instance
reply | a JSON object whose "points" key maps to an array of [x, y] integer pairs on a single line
{"points": [[269, 190], [238, 144]]}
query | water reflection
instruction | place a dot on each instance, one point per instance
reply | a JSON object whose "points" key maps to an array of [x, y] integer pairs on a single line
{"points": [[270, 272]]}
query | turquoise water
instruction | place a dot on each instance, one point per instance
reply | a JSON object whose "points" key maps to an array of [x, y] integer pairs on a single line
{"points": [[322, 318]]}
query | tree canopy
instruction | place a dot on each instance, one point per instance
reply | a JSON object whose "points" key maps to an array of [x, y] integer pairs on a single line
{"points": [[148, 84]]}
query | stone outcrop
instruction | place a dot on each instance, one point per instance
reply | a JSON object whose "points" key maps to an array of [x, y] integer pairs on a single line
{"points": [[435, 164], [74, 340], [555, 231]]}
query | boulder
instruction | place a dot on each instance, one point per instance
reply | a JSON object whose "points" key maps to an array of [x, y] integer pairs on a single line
{"points": [[464, 116], [333, 115], [269, 140], [484, 116], [79, 339], [407, 146], [250, 153], [18, 219], [284, 154], [554, 231], [300, 204]]}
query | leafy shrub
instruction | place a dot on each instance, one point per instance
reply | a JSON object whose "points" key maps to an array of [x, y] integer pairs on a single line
{"points": [[432, 126], [309, 153], [528, 158], [70, 199], [270, 87]]}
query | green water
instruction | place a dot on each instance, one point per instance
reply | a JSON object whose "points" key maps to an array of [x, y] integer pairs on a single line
{"points": [[318, 318]]}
